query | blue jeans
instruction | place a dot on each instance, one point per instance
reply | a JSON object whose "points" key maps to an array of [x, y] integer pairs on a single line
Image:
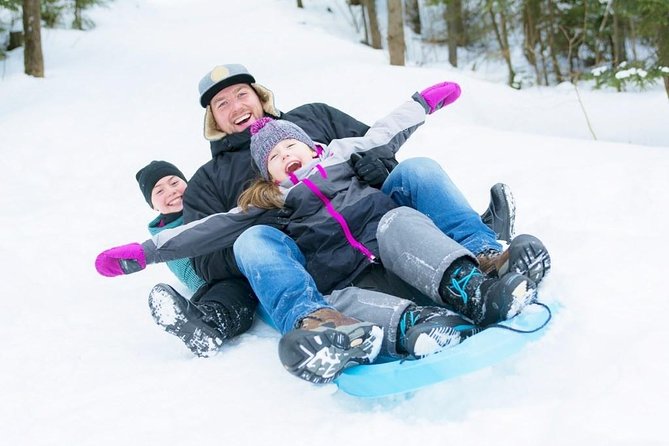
{"points": [[274, 265], [422, 184]]}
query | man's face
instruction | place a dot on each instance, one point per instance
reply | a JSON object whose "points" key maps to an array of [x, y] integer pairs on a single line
{"points": [[286, 157], [235, 108], [167, 195]]}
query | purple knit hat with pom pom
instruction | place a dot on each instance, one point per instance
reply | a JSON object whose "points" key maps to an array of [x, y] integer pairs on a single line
{"points": [[266, 133]]}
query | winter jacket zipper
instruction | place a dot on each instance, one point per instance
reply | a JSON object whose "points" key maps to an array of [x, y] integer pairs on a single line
{"points": [[333, 213]]}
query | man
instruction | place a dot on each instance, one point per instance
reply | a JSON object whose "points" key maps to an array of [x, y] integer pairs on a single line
{"points": [[233, 101]]}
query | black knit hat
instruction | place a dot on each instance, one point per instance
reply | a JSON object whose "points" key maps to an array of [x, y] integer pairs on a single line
{"points": [[149, 175]]}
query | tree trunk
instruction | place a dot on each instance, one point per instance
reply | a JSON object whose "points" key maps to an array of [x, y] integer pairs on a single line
{"points": [[77, 23], [662, 44], [633, 39], [530, 35], [552, 44], [503, 40], [412, 10], [374, 32], [459, 24], [454, 38], [33, 61], [544, 62], [364, 25], [618, 36], [396, 45]]}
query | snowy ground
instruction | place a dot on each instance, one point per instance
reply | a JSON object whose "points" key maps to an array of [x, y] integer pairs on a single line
{"points": [[82, 362]]}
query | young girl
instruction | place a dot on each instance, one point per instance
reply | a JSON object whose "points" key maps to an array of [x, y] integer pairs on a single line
{"points": [[342, 226]]}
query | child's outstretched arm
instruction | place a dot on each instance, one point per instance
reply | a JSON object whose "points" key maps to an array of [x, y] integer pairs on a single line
{"points": [[375, 164], [194, 239], [390, 132]]}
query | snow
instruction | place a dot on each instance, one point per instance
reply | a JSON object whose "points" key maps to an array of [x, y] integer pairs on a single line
{"points": [[84, 364]]}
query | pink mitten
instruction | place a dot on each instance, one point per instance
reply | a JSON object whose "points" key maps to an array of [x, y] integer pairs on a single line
{"points": [[124, 259], [440, 95]]}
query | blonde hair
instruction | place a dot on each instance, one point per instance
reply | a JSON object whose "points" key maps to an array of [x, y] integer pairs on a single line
{"points": [[262, 194]]}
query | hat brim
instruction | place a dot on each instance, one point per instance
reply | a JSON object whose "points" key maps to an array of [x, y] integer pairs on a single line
{"points": [[242, 78]]}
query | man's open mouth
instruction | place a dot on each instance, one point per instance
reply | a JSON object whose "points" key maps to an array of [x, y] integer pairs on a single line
{"points": [[243, 119]]}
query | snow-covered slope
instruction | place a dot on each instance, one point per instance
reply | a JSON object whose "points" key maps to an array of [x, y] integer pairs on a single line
{"points": [[82, 362]]}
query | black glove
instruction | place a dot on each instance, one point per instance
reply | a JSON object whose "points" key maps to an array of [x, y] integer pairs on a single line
{"points": [[373, 167], [278, 218]]}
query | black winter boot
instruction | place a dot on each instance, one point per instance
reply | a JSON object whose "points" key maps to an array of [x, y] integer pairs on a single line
{"points": [[326, 343], [501, 213], [485, 300], [427, 330], [201, 327]]}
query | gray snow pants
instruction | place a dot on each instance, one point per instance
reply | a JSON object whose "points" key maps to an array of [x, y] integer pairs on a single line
{"points": [[413, 248]]}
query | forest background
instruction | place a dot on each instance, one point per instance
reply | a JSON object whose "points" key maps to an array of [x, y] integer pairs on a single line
{"points": [[607, 43]]}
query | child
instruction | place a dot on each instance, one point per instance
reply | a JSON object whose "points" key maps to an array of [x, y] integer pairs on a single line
{"points": [[211, 316], [162, 184], [340, 226]]}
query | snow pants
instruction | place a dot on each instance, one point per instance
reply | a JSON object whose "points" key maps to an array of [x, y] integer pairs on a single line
{"points": [[415, 250]]}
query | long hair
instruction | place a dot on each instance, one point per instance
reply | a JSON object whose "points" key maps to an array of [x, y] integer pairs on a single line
{"points": [[262, 194]]}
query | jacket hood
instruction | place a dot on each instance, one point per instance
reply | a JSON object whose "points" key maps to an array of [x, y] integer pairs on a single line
{"points": [[211, 130]]}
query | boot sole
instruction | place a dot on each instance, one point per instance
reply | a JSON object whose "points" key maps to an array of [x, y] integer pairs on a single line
{"points": [[169, 312], [320, 355], [431, 340], [527, 256]]}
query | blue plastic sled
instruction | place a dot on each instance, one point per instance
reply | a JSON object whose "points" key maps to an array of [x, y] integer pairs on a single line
{"points": [[481, 350]]}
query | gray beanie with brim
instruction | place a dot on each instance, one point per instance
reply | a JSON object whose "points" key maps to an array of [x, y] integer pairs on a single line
{"points": [[220, 77]]}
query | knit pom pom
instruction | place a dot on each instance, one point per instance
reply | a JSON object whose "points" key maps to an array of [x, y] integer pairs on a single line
{"points": [[259, 124]]}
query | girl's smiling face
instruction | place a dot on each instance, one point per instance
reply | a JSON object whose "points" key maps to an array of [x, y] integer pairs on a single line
{"points": [[286, 157], [167, 194]]}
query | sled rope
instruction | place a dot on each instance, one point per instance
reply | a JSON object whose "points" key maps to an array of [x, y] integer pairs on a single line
{"points": [[518, 330]]}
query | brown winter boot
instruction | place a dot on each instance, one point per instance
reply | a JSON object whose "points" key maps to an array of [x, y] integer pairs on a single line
{"points": [[526, 255], [492, 262], [326, 343], [326, 317]]}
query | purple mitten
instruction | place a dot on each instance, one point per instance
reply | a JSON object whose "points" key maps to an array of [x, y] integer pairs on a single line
{"points": [[440, 95], [124, 259]]}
